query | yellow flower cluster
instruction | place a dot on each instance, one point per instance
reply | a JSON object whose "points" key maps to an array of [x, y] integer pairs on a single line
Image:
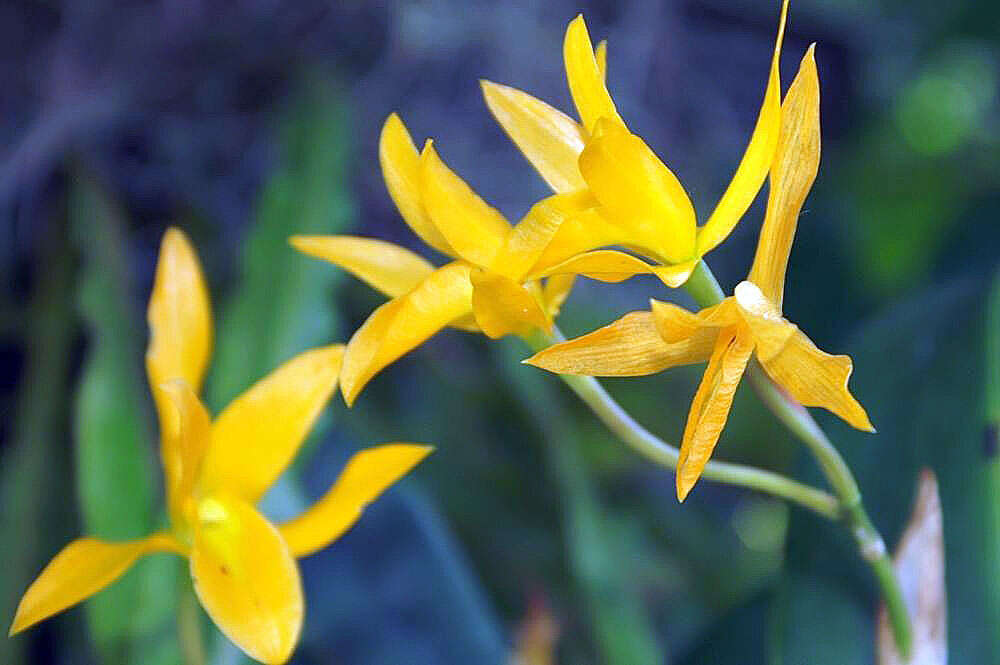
{"points": [[610, 191], [243, 566]]}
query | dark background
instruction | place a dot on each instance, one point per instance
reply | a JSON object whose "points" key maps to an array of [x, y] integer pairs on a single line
{"points": [[246, 122]]}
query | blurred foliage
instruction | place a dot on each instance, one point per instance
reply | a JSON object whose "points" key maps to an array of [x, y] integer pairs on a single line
{"points": [[116, 466]]}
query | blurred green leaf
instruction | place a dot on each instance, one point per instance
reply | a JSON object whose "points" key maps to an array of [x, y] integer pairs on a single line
{"points": [[920, 373], [283, 303], [115, 461], [597, 548]]}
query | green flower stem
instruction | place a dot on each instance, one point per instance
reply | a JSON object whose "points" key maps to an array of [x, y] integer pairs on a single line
{"points": [[703, 287], [660, 452], [189, 631]]}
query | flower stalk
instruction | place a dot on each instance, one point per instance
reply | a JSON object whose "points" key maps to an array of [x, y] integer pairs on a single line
{"points": [[655, 449], [705, 290]]}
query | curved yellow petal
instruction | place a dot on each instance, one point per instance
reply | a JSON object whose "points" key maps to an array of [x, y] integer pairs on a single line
{"points": [[80, 570], [710, 407], [756, 162], [385, 266], [474, 228], [583, 229], [256, 437], [189, 432], [246, 579], [555, 291], [631, 346], [676, 323], [401, 171], [815, 378], [585, 77], [639, 192], [368, 474], [404, 323], [504, 307], [796, 163], [180, 330], [547, 137], [537, 230], [601, 57], [610, 265]]}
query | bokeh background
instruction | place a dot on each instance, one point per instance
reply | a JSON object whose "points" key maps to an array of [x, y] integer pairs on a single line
{"points": [[246, 122]]}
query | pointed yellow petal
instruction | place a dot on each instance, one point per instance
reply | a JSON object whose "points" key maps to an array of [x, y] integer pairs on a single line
{"points": [[585, 78], [601, 56], [610, 265], [189, 432], [386, 267], [582, 229], [631, 346], [404, 323], [555, 291], [796, 162], [815, 378], [676, 323], [180, 329], [368, 474], [547, 137], [504, 307], [639, 192], [256, 437], [401, 172], [246, 579], [474, 228], [756, 160], [535, 233], [710, 408], [80, 570]]}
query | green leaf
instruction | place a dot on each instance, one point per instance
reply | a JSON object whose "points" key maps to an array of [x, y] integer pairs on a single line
{"points": [[115, 461], [921, 374], [283, 302], [33, 468]]}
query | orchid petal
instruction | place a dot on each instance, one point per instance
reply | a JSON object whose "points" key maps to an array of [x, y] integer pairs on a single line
{"points": [[631, 346], [474, 228], [796, 162], [404, 323], [555, 291], [609, 265], [536, 232], [710, 407], [756, 162], [367, 474], [180, 329], [639, 192], [401, 171], [81, 569], [386, 267], [246, 579], [256, 437], [504, 307], [549, 139], [601, 57], [815, 378], [585, 78], [188, 432]]}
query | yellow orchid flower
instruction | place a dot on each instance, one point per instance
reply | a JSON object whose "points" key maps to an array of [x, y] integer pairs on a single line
{"points": [[484, 288], [243, 567], [644, 206], [749, 322]]}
